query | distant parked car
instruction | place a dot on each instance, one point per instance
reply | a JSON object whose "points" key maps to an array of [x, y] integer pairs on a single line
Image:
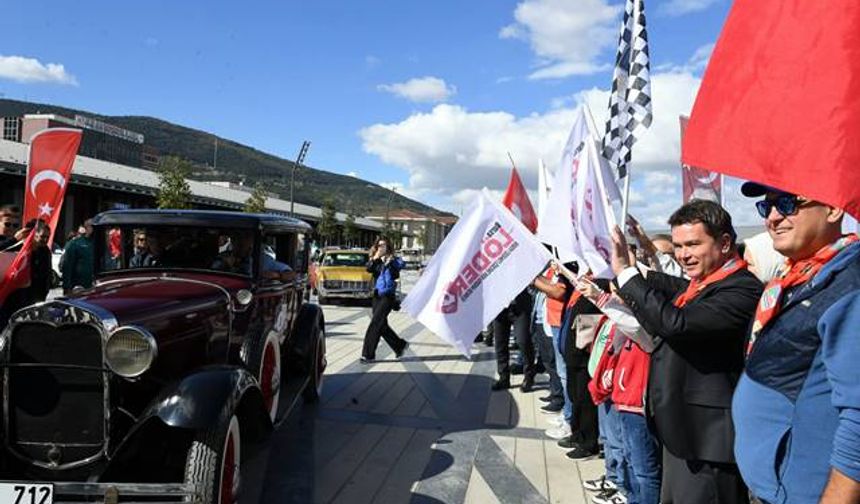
{"points": [[342, 273], [149, 386], [412, 257]]}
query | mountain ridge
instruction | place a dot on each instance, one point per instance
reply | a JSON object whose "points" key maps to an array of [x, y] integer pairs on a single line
{"points": [[245, 164]]}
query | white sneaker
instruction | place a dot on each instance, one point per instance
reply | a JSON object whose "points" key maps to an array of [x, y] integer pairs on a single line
{"points": [[609, 497], [556, 421], [559, 432]]}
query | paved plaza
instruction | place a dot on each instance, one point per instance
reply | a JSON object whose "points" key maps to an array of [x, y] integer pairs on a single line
{"points": [[422, 429]]}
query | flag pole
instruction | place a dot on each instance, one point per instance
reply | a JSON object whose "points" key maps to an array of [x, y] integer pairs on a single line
{"points": [[512, 160], [625, 207]]}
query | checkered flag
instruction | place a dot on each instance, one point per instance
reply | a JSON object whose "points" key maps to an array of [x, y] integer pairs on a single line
{"points": [[630, 101]]}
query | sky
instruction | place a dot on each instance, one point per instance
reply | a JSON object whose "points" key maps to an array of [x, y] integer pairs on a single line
{"points": [[427, 97]]}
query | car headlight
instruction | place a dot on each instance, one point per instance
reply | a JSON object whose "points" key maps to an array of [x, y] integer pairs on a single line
{"points": [[130, 351]]}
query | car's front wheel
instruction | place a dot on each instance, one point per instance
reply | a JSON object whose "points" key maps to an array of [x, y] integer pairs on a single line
{"points": [[265, 362], [316, 367], [213, 463]]}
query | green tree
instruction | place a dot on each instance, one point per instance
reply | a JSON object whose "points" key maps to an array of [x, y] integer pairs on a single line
{"points": [[421, 237], [350, 230], [393, 233], [173, 188], [256, 202], [327, 225]]}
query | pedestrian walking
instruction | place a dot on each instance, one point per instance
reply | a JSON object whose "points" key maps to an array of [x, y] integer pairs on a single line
{"points": [[385, 268]]}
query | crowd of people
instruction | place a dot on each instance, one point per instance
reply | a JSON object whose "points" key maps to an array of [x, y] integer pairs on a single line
{"points": [[76, 263], [708, 370]]}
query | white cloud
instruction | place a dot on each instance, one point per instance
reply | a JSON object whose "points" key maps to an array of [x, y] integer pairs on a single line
{"points": [[421, 90], [451, 152], [566, 39], [352, 174], [681, 7], [697, 62], [21, 69], [414, 193]]}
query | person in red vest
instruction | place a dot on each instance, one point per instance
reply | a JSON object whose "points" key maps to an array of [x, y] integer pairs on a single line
{"points": [[699, 327]]}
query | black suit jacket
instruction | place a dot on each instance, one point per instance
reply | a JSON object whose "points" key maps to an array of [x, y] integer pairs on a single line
{"points": [[697, 360]]}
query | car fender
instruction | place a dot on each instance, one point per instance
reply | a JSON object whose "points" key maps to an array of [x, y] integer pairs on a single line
{"points": [[202, 399], [303, 344]]}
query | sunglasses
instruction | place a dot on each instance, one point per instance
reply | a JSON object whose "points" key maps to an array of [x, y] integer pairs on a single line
{"points": [[785, 204], [11, 224]]}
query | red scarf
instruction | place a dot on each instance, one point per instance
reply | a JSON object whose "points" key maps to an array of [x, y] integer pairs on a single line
{"points": [[696, 286], [795, 273]]}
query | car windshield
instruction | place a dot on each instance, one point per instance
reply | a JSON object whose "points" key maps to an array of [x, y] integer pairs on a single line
{"points": [[345, 259], [175, 247]]}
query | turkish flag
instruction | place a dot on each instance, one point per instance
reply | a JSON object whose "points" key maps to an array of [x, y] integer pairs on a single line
{"points": [[517, 200], [779, 104], [699, 183], [17, 275], [52, 155]]}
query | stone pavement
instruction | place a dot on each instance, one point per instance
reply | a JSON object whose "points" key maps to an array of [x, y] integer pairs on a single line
{"points": [[423, 429]]}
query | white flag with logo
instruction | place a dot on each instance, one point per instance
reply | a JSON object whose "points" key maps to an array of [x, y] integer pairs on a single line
{"points": [[557, 221], [485, 261], [544, 187], [595, 217]]}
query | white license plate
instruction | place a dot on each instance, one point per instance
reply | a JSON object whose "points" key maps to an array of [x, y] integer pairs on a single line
{"points": [[26, 493]]}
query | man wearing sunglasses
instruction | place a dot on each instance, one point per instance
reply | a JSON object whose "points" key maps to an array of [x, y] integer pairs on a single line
{"points": [[796, 409], [10, 223]]}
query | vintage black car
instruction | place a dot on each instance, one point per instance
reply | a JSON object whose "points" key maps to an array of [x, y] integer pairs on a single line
{"points": [[147, 387]]}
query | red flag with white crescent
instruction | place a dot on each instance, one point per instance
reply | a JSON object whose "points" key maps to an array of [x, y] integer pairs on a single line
{"points": [[517, 200], [17, 275], [52, 155]]}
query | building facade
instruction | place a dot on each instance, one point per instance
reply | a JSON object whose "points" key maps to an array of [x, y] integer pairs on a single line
{"points": [[418, 231], [100, 140]]}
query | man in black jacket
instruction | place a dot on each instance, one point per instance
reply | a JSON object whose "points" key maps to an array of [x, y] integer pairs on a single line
{"points": [[699, 327]]}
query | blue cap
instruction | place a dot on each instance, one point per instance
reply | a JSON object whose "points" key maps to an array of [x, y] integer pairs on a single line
{"points": [[754, 189]]}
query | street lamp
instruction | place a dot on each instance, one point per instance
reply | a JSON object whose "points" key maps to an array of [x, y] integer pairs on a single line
{"points": [[299, 160]]}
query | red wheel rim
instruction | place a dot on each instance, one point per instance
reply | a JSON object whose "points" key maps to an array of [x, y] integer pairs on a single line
{"points": [[267, 376], [228, 471]]}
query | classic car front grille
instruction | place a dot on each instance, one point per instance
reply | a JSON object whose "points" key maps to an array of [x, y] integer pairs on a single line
{"points": [[359, 285], [55, 392]]}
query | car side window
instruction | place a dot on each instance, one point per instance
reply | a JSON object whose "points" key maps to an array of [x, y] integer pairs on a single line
{"points": [[278, 253]]}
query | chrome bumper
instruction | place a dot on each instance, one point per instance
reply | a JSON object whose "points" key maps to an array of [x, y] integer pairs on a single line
{"points": [[338, 293], [125, 493]]}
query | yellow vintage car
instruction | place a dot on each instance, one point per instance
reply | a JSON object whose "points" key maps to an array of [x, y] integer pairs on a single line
{"points": [[343, 274]]}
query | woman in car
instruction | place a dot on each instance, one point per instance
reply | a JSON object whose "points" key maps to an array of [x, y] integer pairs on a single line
{"points": [[385, 268]]}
